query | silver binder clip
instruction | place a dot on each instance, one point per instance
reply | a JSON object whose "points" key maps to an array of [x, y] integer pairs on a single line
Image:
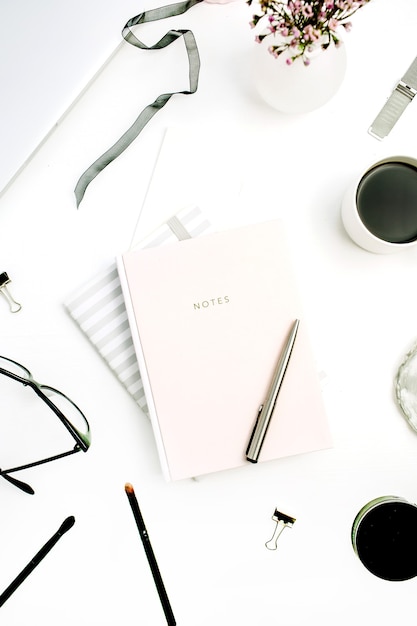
{"points": [[4, 281], [396, 104], [282, 521]]}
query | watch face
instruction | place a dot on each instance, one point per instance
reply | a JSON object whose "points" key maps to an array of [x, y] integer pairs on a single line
{"points": [[384, 536]]}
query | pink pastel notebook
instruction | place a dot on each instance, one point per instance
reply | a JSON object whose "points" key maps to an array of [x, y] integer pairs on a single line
{"points": [[209, 318]]}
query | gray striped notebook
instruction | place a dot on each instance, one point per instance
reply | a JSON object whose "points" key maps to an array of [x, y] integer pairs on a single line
{"points": [[99, 310]]}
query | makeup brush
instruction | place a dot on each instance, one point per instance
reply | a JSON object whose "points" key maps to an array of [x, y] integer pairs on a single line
{"points": [[65, 526], [143, 533]]}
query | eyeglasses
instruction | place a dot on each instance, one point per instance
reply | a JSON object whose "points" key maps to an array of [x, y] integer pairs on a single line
{"points": [[67, 412]]}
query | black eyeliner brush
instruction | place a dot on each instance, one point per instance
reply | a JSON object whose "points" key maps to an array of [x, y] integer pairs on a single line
{"points": [[65, 526], [150, 555]]}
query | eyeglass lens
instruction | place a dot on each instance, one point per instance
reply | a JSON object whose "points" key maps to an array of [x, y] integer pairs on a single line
{"points": [[29, 429]]}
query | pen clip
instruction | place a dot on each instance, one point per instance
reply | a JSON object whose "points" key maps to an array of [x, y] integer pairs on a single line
{"points": [[254, 429]]}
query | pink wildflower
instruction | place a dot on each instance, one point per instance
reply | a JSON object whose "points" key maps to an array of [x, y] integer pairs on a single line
{"points": [[307, 10], [295, 6], [310, 33], [302, 23]]}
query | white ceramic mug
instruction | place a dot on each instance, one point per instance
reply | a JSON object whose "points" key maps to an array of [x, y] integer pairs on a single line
{"points": [[392, 202]]}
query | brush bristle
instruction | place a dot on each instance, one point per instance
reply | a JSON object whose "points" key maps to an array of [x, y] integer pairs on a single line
{"points": [[67, 524], [129, 488]]}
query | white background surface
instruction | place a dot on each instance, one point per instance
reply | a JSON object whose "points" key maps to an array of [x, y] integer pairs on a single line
{"points": [[209, 534]]}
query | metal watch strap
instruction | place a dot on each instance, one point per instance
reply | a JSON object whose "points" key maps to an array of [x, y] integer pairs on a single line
{"points": [[400, 98]]}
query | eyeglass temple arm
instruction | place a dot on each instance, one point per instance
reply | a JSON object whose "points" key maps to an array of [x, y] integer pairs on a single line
{"points": [[24, 486], [18, 483]]}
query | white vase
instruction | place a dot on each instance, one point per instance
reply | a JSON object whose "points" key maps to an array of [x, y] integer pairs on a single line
{"points": [[297, 88]]}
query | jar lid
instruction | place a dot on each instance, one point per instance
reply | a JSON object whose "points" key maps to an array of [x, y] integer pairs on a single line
{"points": [[384, 536]]}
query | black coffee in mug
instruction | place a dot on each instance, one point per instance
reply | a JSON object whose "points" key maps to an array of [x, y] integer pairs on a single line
{"points": [[384, 536], [386, 200]]}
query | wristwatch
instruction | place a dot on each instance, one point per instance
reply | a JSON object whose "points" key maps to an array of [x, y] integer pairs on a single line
{"points": [[396, 104]]}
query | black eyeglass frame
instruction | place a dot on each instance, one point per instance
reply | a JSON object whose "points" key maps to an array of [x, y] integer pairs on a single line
{"points": [[83, 440]]}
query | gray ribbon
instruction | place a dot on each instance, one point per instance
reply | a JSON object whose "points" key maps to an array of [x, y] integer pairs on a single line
{"points": [[148, 112]]}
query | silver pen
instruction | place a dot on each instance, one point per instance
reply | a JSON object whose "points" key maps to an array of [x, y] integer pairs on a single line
{"points": [[266, 410]]}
